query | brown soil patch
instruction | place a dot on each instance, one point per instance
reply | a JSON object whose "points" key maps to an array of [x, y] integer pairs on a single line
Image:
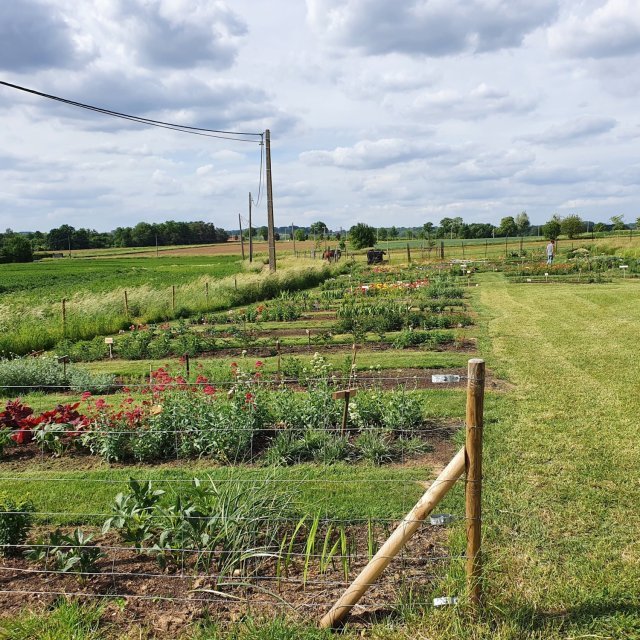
{"points": [[167, 602]]}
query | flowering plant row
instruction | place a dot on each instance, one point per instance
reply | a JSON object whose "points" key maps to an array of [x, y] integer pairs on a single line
{"points": [[175, 419]]}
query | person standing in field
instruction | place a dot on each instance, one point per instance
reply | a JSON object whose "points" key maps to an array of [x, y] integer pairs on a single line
{"points": [[551, 247]]}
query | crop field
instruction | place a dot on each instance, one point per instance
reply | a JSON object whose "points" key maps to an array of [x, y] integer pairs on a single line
{"points": [[200, 475]]}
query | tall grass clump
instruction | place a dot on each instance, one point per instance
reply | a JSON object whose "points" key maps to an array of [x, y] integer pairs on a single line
{"points": [[33, 326]]}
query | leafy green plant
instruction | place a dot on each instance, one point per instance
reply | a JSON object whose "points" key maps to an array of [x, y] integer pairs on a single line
{"points": [[73, 553], [16, 518]]}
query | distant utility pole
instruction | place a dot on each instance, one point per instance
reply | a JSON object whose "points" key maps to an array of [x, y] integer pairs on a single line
{"points": [[250, 232], [156, 245], [241, 236], [293, 237], [271, 231]]}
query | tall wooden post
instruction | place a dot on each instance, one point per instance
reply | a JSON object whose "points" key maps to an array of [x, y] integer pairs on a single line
{"points": [[126, 304], [206, 294], [293, 237], [473, 487], [270, 226], [241, 236], [408, 254], [250, 232]]}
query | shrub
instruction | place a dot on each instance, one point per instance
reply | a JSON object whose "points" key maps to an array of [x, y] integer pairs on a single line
{"points": [[16, 518]]}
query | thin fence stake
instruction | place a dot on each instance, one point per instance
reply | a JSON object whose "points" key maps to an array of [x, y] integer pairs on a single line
{"points": [[473, 487]]}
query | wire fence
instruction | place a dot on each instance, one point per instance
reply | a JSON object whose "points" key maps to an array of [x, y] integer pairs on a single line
{"points": [[247, 534]]}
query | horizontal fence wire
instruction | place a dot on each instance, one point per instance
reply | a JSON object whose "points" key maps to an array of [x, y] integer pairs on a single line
{"points": [[259, 583]]}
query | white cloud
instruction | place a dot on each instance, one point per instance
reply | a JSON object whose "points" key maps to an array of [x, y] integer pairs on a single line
{"points": [[611, 30], [427, 27], [573, 131]]}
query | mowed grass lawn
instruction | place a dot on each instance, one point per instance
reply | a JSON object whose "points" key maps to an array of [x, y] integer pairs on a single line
{"points": [[562, 483]]}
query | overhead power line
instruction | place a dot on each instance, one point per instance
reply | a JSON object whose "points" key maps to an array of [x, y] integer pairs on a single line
{"points": [[237, 136]]}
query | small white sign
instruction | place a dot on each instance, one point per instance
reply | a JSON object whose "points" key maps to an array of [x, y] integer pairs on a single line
{"points": [[444, 379], [108, 340], [528, 279], [624, 266], [444, 601]]}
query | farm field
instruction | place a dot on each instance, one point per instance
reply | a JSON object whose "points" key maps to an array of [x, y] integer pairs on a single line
{"points": [[560, 529]]}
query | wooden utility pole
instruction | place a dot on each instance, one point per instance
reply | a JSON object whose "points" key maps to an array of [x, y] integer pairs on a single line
{"points": [[293, 236], [250, 232], [473, 487], [241, 236], [270, 227]]}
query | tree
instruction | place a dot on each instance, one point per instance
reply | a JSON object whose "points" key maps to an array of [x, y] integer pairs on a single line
{"points": [[16, 248], [263, 232], [318, 229], [362, 235], [428, 229], [618, 224], [522, 223], [638, 223], [300, 234], [599, 227], [552, 228], [382, 233], [507, 227], [393, 232], [572, 226]]}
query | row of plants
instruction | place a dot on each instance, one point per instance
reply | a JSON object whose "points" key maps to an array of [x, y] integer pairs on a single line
{"points": [[179, 420], [226, 529], [23, 375], [41, 326]]}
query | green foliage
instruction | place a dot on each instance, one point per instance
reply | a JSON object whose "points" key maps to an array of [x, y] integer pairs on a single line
{"points": [[16, 518], [552, 229], [572, 226], [30, 374], [15, 248], [67, 553], [362, 235]]}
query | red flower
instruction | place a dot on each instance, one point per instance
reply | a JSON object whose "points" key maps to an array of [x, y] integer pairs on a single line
{"points": [[209, 390], [234, 365], [100, 403], [86, 395], [259, 364]]}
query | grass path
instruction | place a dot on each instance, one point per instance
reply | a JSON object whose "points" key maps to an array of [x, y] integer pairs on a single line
{"points": [[562, 488]]}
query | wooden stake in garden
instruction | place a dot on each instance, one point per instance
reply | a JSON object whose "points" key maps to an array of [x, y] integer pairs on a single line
{"points": [[64, 317], [473, 487], [173, 297], [408, 254], [206, 294], [345, 395], [187, 365], [278, 353], [126, 304]]}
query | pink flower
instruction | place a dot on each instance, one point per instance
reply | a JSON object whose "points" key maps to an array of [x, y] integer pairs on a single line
{"points": [[209, 390], [259, 364], [86, 395], [100, 403]]}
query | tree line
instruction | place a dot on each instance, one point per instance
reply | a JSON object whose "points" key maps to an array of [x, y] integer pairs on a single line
{"points": [[20, 247]]}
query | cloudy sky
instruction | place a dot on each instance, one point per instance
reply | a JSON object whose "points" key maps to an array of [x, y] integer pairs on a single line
{"points": [[382, 112]]}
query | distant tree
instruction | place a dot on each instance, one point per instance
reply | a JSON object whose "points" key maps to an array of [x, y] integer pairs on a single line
{"points": [[428, 229], [618, 223], [551, 229], [300, 234], [362, 235], [15, 248], [263, 232], [638, 222], [393, 232], [382, 233], [572, 226], [318, 229], [523, 223], [59, 239], [507, 227], [599, 227]]}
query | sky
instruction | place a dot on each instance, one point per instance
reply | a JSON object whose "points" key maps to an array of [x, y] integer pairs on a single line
{"points": [[388, 113]]}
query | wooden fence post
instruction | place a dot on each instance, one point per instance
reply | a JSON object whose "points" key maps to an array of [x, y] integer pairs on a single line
{"points": [[126, 304], [396, 541], [473, 486]]}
